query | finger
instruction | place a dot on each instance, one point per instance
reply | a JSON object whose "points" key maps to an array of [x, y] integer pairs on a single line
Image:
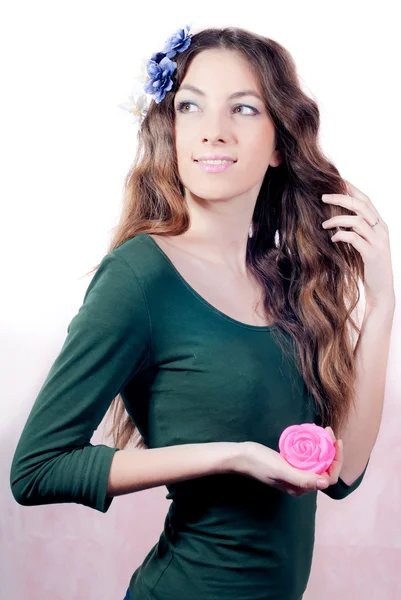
{"points": [[337, 464], [332, 433], [306, 480]]}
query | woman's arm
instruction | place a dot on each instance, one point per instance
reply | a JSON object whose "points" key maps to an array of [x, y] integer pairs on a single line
{"points": [[135, 470], [371, 352], [107, 343]]}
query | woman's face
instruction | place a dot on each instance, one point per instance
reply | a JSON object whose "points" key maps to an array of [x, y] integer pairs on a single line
{"points": [[212, 122]]}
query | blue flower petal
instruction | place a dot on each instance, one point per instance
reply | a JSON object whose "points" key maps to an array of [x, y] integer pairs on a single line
{"points": [[158, 56], [178, 42], [161, 68]]}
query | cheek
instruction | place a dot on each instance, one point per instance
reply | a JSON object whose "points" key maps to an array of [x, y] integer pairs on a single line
{"points": [[256, 157], [257, 153], [184, 146], [260, 139]]}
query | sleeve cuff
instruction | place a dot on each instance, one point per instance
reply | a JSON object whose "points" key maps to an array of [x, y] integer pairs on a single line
{"points": [[102, 501], [341, 490]]}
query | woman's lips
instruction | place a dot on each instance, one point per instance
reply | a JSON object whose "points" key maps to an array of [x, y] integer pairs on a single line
{"points": [[214, 168]]}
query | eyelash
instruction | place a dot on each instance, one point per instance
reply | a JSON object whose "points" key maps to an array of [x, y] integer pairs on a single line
{"points": [[181, 104]]}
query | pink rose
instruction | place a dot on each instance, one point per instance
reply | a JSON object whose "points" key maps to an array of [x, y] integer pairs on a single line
{"points": [[308, 447]]}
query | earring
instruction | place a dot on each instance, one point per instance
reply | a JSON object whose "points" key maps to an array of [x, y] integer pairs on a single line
{"points": [[250, 232]]}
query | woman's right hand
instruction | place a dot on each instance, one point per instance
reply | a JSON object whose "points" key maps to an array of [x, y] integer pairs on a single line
{"points": [[269, 467]]}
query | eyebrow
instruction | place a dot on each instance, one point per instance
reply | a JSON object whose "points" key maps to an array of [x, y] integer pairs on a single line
{"points": [[196, 90]]}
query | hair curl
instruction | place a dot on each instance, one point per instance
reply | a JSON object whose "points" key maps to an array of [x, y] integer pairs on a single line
{"points": [[310, 284]]}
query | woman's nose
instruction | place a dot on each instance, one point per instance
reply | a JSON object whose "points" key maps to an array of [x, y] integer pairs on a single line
{"points": [[216, 128]]}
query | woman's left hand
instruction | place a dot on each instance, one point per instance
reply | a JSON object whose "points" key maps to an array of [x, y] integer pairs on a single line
{"points": [[372, 242]]}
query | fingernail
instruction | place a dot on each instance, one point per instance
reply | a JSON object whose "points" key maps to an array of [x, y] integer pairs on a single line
{"points": [[322, 482]]}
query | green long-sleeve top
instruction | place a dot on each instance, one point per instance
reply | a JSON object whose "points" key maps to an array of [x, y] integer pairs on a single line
{"points": [[188, 373]]}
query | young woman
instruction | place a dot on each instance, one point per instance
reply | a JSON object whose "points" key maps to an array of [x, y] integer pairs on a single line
{"points": [[218, 318]]}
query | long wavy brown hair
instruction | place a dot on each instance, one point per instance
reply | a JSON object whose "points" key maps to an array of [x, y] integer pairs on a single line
{"points": [[310, 284]]}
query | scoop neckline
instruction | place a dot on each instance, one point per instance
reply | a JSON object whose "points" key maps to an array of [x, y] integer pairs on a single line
{"points": [[201, 298]]}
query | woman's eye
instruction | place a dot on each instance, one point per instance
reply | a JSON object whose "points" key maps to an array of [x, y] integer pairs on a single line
{"points": [[246, 106], [181, 106]]}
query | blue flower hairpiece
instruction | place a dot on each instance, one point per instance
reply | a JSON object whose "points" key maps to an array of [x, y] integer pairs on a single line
{"points": [[160, 69]]}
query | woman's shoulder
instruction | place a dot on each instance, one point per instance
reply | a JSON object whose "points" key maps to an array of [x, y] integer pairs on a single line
{"points": [[131, 246], [141, 255], [137, 252]]}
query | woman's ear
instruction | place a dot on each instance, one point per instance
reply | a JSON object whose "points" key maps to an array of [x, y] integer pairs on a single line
{"points": [[276, 158]]}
